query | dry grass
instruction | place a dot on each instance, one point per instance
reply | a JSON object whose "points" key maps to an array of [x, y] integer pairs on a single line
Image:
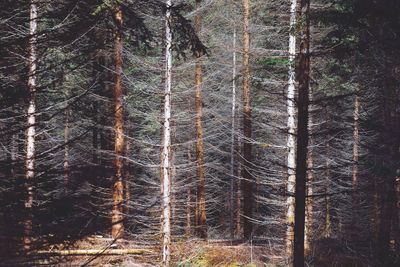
{"points": [[202, 254]]}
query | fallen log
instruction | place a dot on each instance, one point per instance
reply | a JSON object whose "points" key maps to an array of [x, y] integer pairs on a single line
{"points": [[88, 252]]}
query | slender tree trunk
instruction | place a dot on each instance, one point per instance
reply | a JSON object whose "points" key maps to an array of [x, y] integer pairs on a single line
{"points": [[117, 229], [13, 155], [291, 140], [396, 220], [67, 126], [166, 182], [201, 227], [238, 217], [128, 176], [376, 199], [388, 181], [328, 224], [354, 180], [31, 127], [172, 171], [233, 118], [247, 182], [302, 137], [309, 201], [188, 228]]}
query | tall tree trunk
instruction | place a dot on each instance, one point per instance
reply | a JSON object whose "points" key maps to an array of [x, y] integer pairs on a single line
{"points": [[238, 201], [188, 227], [387, 186], [327, 205], [233, 118], [302, 136], [396, 220], [128, 175], [67, 126], [117, 228], [13, 154], [31, 130], [201, 227], [309, 200], [172, 172], [166, 181], [247, 182], [354, 180], [291, 139]]}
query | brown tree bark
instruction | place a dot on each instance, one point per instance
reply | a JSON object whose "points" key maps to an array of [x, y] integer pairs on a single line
{"points": [[117, 228], [302, 136], [247, 181], [201, 226]]}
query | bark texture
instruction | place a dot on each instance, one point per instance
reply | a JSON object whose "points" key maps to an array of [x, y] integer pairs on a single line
{"points": [[233, 120], [201, 227], [247, 181], [166, 152], [291, 139], [355, 175], [31, 125], [302, 136], [118, 187]]}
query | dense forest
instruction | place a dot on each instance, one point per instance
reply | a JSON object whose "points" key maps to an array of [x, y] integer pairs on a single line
{"points": [[200, 133]]}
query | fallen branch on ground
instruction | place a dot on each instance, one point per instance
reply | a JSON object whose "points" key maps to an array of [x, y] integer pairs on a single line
{"points": [[83, 252]]}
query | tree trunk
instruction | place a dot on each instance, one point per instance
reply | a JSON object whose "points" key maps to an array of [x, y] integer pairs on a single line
{"points": [[238, 215], [302, 137], [166, 182], [128, 175], [31, 126], [396, 220], [201, 227], [387, 186], [188, 227], [233, 118], [354, 180], [118, 188], [309, 200], [13, 154], [67, 126], [327, 224], [291, 139], [247, 182]]}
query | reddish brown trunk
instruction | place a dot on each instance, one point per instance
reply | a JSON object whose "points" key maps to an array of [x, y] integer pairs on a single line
{"points": [[118, 188], [247, 182], [201, 227]]}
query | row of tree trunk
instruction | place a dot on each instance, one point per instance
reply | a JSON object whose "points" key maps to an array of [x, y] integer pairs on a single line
{"points": [[299, 157]]}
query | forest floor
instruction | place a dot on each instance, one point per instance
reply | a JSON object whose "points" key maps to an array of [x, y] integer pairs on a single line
{"points": [[100, 251]]}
